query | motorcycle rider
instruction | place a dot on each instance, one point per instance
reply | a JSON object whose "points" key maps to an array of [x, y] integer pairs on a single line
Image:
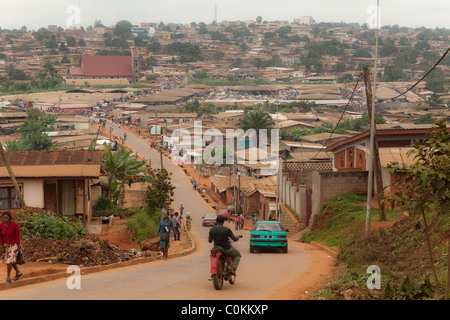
{"points": [[220, 234]]}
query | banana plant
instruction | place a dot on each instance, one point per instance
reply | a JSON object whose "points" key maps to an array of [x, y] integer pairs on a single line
{"points": [[120, 169]]}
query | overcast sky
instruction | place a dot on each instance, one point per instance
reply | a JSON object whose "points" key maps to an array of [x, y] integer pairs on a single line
{"points": [[41, 13]]}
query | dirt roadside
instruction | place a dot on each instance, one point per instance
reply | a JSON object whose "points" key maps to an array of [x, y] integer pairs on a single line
{"points": [[320, 271]]}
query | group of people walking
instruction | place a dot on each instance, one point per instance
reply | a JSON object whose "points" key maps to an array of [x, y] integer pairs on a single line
{"points": [[170, 223], [238, 222]]}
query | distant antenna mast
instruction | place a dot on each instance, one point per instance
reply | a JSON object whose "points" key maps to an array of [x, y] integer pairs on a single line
{"points": [[216, 13]]}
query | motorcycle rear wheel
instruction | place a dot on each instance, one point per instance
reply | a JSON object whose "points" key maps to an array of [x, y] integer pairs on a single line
{"points": [[218, 277]]}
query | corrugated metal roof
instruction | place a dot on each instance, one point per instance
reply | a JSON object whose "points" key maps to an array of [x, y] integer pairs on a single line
{"points": [[39, 158], [106, 66]]}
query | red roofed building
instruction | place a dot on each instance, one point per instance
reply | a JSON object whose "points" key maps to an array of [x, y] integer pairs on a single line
{"points": [[394, 143], [106, 67]]}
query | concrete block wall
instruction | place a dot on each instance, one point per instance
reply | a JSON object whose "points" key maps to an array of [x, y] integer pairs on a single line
{"points": [[294, 196], [327, 185]]}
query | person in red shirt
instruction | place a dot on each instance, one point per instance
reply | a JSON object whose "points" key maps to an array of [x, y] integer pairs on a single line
{"points": [[10, 240]]}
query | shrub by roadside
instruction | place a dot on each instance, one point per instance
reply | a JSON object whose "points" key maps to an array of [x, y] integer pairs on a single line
{"points": [[399, 250], [48, 226], [143, 226]]}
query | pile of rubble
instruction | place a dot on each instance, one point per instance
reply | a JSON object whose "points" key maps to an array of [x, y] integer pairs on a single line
{"points": [[84, 251]]}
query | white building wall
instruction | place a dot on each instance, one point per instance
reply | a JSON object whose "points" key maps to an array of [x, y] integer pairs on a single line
{"points": [[33, 193]]}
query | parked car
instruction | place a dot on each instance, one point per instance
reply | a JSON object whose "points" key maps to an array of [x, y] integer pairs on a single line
{"points": [[268, 234], [209, 220], [222, 212]]}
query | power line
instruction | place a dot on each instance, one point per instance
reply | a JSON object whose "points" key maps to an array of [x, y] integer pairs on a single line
{"points": [[340, 118], [351, 97], [423, 77]]}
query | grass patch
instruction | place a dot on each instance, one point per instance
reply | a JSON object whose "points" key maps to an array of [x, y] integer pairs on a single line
{"points": [[400, 251], [339, 217], [143, 226]]}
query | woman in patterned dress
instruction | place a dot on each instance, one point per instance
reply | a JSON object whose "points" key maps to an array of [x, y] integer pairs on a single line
{"points": [[10, 241]]}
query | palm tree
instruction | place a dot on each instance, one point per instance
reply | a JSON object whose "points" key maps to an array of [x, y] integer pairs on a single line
{"points": [[258, 120]]}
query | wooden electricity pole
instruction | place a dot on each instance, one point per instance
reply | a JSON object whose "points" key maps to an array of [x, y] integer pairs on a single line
{"points": [[13, 178], [375, 157]]}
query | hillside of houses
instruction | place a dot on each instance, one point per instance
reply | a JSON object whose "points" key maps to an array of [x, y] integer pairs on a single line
{"points": [[157, 79]]}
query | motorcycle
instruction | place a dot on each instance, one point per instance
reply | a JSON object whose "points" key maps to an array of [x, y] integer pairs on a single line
{"points": [[220, 268]]}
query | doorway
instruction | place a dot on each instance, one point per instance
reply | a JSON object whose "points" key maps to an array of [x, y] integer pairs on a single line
{"points": [[68, 197]]}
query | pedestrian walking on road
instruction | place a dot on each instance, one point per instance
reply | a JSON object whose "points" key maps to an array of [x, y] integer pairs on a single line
{"points": [[181, 210], [164, 234], [176, 227], [10, 242], [239, 222]]}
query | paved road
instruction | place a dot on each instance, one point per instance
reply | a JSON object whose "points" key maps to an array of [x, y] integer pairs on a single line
{"points": [[259, 274]]}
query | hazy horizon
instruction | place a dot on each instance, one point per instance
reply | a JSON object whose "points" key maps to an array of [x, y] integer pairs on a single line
{"points": [[412, 13]]}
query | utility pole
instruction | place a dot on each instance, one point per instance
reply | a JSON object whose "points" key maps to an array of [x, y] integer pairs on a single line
{"points": [[239, 194], [372, 130], [13, 178], [234, 190], [277, 193], [376, 154], [160, 150]]}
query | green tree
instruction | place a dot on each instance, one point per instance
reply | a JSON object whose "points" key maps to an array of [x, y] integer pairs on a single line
{"points": [[154, 46], [435, 85], [340, 67], [16, 74], [42, 34], [202, 74], [65, 59], [276, 61], [32, 133], [362, 53], [425, 119], [427, 181], [388, 48], [257, 120], [71, 41], [193, 105], [202, 28], [406, 58], [434, 101], [120, 169], [392, 73], [159, 194], [422, 45], [188, 51], [345, 78], [123, 29]]}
